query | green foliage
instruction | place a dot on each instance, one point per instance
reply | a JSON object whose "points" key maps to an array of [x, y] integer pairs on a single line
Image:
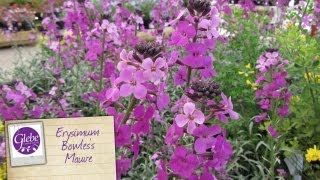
{"points": [[243, 48], [303, 52], [146, 7]]}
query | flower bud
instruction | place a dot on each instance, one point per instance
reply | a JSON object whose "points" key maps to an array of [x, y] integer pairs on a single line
{"points": [[148, 49], [204, 89], [202, 7]]}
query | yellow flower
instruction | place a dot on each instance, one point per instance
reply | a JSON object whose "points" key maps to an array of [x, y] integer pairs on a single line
{"points": [[254, 86], [247, 71], [290, 25], [313, 154], [1, 127], [312, 77], [295, 99], [303, 37]]}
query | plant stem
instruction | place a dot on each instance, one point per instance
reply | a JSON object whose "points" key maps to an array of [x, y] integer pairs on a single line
{"points": [[189, 76], [189, 73], [272, 158], [101, 67], [132, 103]]}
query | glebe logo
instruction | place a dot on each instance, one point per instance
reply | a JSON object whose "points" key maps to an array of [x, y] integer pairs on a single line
{"points": [[26, 140]]}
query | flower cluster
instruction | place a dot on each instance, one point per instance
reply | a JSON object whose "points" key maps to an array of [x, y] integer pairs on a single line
{"points": [[132, 84], [313, 154], [17, 101], [316, 13], [248, 71], [273, 94], [195, 35]]}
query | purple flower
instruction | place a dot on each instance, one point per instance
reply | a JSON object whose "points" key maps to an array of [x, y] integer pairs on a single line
{"points": [[272, 132], [183, 163], [153, 70], [173, 134], [2, 149], [123, 166], [136, 148], [227, 110], [24, 90], [109, 69], [123, 136], [265, 104], [133, 80], [210, 27], [191, 116], [143, 117], [183, 33], [283, 111], [205, 138], [261, 117], [163, 100], [162, 170], [94, 49], [222, 152], [36, 112], [180, 76], [195, 56], [16, 97]]}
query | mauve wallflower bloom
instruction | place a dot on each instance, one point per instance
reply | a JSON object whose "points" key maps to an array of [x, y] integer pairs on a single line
{"points": [[3, 149], [112, 94], [36, 112], [133, 80], [123, 166], [183, 163], [23, 89], [136, 148], [125, 58], [16, 97], [191, 116], [123, 136], [261, 117], [265, 104], [162, 170], [184, 32], [227, 110], [222, 152], [210, 27], [174, 133], [163, 99], [283, 111], [153, 70], [143, 117], [195, 56], [180, 76], [205, 138], [273, 132], [94, 50]]}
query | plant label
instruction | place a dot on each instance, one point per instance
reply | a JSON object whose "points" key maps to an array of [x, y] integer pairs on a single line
{"points": [[72, 148]]}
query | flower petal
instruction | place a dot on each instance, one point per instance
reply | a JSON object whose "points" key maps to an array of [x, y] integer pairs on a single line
{"points": [[188, 108], [200, 145], [147, 63], [125, 90], [160, 62], [181, 120], [140, 91], [198, 117], [191, 127]]}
